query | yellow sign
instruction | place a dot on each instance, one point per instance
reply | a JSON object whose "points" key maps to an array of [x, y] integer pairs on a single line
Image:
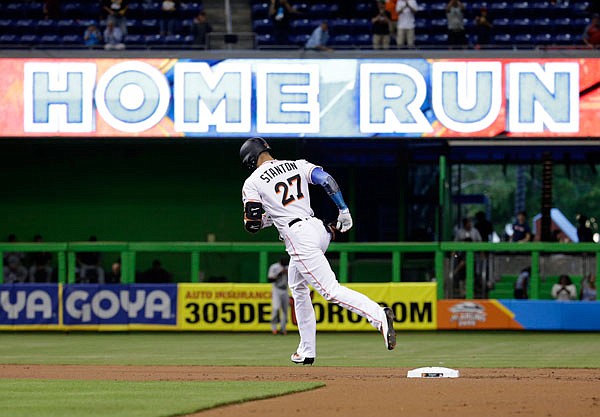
{"points": [[247, 307]]}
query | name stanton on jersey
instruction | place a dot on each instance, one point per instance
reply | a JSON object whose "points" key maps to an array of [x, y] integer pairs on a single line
{"points": [[274, 171]]}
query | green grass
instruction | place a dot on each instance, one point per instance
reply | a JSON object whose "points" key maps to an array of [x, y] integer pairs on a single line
{"points": [[60, 398], [453, 349]]}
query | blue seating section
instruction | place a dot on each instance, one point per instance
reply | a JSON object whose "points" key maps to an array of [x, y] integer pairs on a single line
{"points": [[22, 24], [519, 24]]}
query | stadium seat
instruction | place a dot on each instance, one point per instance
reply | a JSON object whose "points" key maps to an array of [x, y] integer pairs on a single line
{"points": [[561, 25], [363, 40], [49, 40], [71, 10], [9, 39], [521, 25], [566, 39], [342, 40], [359, 26], [541, 25], [302, 26], [502, 39], [190, 10], [34, 10], [14, 11], [134, 39], [301, 7], [440, 39], [148, 27], [45, 27], [262, 26], [365, 10], [323, 11], [500, 9], [422, 39], [523, 40], [265, 39], [502, 25], [152, 10], [29, 39], [543, 39], [299, 40], [72, 40], [68, 27], [154, 40], [135, 11], [24, 26], [260, 10], [436, 10], [579, 8]]}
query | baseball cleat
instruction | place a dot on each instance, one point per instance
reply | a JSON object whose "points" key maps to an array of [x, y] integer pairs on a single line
{"points": [[302, 359], [387, 329]]}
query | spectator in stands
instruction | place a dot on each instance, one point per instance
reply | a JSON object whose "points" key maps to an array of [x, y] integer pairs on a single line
{"points": [[319, 38], [456, 27], [564, 290], [467, 233], [40, 269], [15, 256], [90, 268], [169, 17], [483, 28], [51, 9], [484, 226], [588, 288], [521, 230], [584, 229], [114, 276], [390, 6], [92, 36], [381, 24], [591, 34], [113, 37], [280, 12], [14, 272], [155, 275], [115, 12], [200, 29], [405, 29], [522, 284]]}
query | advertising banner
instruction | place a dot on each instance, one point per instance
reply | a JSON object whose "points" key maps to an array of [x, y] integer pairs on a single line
{"points": [[129, 306], [33, 306], [349, 98], [475, 314], [247, 307]]}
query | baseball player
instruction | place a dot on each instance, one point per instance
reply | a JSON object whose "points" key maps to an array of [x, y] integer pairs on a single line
{"points": [[280, 300], [277, 193]]}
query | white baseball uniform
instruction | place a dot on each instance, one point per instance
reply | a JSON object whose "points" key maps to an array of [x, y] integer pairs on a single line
{"points": [[282, 188], [280, 300]]}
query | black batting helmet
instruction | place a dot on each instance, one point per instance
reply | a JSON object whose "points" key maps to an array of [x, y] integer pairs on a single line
{"points": [[251, 149]]}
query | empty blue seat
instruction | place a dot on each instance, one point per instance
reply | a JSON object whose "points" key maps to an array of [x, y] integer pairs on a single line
{"points": [[71, 9], [322, 11], [566, 39], [422, 39], [579, 8], [523, 39], [9, 39], [502, 39], [50, 40], [299, 40], [543, 39], [339, 25], [363, 39], [260, 10], [562, 25], [68, 27], [500, 9], [302, 7], [359, 26], [521, 25], [541, 25], [153, 40], [262, 26], [365, 10], [190, 10], [440, 39], [344, 39], [135, 10], [152, 10], [72, 40], [14, 11], [24, 26], [302, 26], [134, 40], [45, 27], [29, 39], [148, 26], [265, 39]]}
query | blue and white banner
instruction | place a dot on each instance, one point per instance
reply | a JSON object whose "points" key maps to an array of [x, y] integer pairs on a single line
{"points": [[88, 304], [29, 304]]}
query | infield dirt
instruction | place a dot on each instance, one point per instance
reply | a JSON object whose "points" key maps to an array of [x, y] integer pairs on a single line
{"points": [[366, 392]]}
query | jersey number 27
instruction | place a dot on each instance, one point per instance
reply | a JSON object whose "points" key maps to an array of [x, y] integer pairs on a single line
{"points": [[287, 198]]}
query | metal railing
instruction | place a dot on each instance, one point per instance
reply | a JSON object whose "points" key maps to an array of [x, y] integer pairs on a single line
{"points": [[66, 256]]}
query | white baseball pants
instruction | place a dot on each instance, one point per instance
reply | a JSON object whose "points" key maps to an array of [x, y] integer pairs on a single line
{"points": [[306, 242]]}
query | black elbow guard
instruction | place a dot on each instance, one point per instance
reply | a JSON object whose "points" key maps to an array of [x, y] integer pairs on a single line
{"points": [[253, 216], [331, 187]]}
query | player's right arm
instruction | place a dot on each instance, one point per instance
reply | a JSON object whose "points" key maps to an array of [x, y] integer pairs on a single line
{"points": [[331, 187]]}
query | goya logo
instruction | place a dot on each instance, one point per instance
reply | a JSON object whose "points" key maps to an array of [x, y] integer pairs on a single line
{"points": [[29, 304], [118, 304]]}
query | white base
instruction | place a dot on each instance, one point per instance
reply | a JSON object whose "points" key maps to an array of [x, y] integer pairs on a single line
{"points": [[433, 372]]}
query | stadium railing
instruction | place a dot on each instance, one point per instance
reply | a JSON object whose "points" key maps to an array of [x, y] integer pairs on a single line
{"points": [[66, 256]]}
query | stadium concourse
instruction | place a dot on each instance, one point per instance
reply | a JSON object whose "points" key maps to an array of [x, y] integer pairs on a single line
{"points": [[522, 24]]}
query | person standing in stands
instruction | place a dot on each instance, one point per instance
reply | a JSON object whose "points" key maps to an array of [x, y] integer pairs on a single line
{"points": [[319, 38], [456, 27], [200, 29], [115, 12], [280, 12], [381, 28], [483, 28], [405, 32], [591, 35]]}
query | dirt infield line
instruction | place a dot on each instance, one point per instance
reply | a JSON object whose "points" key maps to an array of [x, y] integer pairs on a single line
{"points": [[366, 392]]}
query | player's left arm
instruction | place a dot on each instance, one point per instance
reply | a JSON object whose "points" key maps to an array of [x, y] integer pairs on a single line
{"points": [[331, 187]]}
